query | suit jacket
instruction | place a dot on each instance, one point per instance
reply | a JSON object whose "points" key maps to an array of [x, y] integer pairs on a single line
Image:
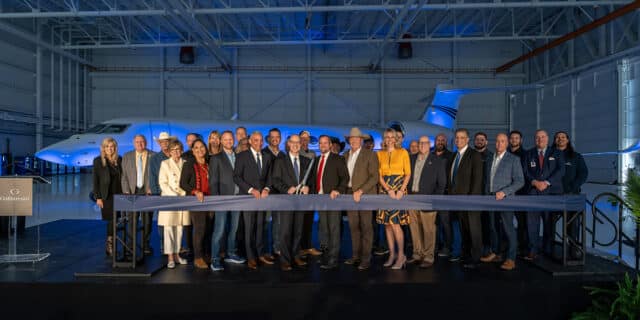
{"points": [[246, 175], [469, 176], [221, 175], [551, 171], [169, 181], [520, 153], [335, 174], [154, 164], [283, 176], [365, 171], [129, 173], [102, 179], [433, 178], [508, 176]]}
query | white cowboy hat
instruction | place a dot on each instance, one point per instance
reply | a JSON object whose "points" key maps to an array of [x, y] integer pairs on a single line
{"points": [[355, 132], [165, 136]]}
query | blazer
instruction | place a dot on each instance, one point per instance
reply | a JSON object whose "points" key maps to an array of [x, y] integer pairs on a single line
{"points": [[283, 176], [335, 174], [221, 175], [169, 181], [551, 171], [469, 177], [575, 173], [365, 171], [246, 175], [520, 153], [102, 178], [508, 176], [154, 164], [433, 178], [129, 173]]}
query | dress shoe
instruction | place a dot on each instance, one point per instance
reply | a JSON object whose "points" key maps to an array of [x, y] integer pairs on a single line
{"points": [[200, 264], [147, 250], [299, 262], [488, 258], [470, 265], [454, 258], [508, 265], [364, 265], [285, 267], [109, 246], [266, 260], [531, 256], [414, 259], [252, 264], [269, 256], [444, 253], [401, 263], [314, 252], [426, 265], [380, 251], [207, 258], [352, 261], [329, 266]]}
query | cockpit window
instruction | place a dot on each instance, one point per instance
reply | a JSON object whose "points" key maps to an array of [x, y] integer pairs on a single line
{"points": [[96, 129], [115, 128], [108, 128]]}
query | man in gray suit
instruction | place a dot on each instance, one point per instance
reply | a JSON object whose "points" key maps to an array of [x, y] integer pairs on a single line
{"points": [[135, 180], [362, 165], [504, 178]]}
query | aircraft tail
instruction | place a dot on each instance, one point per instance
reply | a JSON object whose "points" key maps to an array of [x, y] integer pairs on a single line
{"points": [[444, 106]]}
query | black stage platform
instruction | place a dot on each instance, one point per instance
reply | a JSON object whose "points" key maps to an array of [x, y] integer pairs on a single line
{"points": [[49, 289]]}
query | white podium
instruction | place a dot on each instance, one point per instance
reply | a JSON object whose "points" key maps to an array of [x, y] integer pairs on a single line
{"points": [[17, 198]]}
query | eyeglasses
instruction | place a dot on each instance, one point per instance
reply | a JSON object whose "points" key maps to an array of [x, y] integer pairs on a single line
{"points": [[175, 149], [424, 142]]}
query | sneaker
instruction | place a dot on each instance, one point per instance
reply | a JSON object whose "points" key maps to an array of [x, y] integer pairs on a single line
{"points": [[454, 258], [443, 253], [182, 261], [236, 259], [171, 265], [217, 265]]}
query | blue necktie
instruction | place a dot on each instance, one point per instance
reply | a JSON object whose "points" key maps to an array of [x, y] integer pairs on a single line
{"points": [[455, 169], [296, 169], [259, 163], [139, 175]]}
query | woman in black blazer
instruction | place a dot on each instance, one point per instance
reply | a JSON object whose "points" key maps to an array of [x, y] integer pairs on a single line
{"points": [[107, 170]]}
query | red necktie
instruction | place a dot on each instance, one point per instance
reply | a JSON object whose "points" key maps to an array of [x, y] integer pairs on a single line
{"points": [[541, 159], [319, 177]]}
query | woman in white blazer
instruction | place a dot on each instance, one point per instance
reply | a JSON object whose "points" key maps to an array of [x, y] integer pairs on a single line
{"points": [[172, 221]]}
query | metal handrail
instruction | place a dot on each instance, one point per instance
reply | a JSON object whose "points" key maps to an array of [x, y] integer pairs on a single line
{"points": [[594, 211], [620, 236]]}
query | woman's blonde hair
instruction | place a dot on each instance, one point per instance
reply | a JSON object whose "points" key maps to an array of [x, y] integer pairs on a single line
{"points": [[113, 159], [395, 138], [209, 146]]}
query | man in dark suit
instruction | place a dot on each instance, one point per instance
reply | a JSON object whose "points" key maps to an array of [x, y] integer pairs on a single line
{"points": [[447, 248], [252, 175], [288, 178], [465, 178], [544, 168], [503, 177], [332, 177], [273, 146], [428, 176], [362, 165], [221, 183], [516, 148], [135, 180]]}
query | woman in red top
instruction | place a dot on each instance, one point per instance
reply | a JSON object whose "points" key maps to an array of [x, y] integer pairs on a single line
{"points": [[195, 182]]}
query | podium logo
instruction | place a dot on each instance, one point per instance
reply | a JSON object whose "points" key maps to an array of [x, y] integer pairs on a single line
{"points": [[14, 192], [16, 196]]}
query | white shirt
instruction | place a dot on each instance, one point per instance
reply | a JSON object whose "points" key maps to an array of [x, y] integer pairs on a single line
{"points": [[293, 157], [494, 166], [324, 165], [461, 152], [255, 158], [353, 157]]}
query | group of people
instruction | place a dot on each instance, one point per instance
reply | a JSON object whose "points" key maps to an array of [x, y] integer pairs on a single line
{"points": [[220, 166]]}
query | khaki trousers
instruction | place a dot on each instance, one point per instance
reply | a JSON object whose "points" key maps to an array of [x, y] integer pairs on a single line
{"points": [[423, 234]]}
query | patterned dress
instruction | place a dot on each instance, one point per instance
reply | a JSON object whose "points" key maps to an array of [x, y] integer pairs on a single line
{"points": [[394, 166]]}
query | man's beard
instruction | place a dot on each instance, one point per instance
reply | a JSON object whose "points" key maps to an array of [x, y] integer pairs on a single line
{"points": [[439, 147]]}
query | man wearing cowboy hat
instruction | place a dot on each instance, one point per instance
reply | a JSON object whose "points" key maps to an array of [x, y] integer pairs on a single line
{"points": [[362, 164], [155, 160]]}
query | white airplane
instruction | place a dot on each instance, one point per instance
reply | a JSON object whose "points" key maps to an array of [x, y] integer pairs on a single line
{"points": [[79, 150]]}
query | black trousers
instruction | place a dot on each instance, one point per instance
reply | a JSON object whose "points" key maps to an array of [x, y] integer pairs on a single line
{"points": [[291, 223], [147, 220], [202, 223], [523, 232], [307, 230], [471, 229], [331, 221], [253, 233]]}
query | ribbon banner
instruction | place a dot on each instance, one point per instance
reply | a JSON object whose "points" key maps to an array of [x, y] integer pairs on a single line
{"points": [[315, 202]]}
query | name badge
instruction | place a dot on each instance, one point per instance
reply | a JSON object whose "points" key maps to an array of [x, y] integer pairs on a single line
{"points": [[533, 164], [551, 158]]}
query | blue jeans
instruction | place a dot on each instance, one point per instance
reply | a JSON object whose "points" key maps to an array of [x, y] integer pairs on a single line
{"points": [[221, 219], [510, 233]]}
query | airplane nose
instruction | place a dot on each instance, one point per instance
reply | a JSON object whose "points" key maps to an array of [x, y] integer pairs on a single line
{"points": [[68, 155]]}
